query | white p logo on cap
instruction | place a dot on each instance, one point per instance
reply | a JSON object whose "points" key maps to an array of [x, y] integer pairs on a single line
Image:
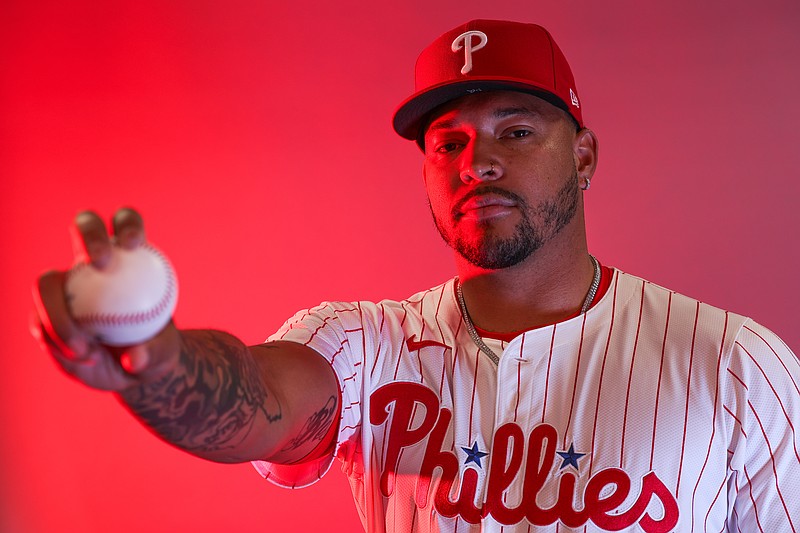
{"points": [[466, 38]]}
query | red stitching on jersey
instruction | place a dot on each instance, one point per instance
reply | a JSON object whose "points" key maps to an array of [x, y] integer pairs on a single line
{"points": [[780, 359], [777, 396], [380, 338], [547, 374], [352, 404], [735, 513], [658, 387], [741, 427], [711, 506], [444, 371], [752, 499], [421, 332], [455, 349], [126, 319], [575, 381], [296, 324], [713, 421], [340, 350], [600, 379], [737, 378], [630, 379], [436, 315], [774, 468], [419, 360], [474, 387], [321, 326], [405, 314], [686, 408], [346, 309], [519, 382]]}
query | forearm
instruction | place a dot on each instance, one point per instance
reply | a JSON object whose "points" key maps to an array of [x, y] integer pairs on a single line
{"points": [[203, 391], [213, 402]]}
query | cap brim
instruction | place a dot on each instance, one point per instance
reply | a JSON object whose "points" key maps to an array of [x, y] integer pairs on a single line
{"points": [[409, 116]]}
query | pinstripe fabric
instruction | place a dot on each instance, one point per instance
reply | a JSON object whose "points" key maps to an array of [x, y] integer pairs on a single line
{"points": [[651, 412]]}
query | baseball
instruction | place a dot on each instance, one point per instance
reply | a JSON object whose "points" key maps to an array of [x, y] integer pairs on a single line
{"points": [[127, 302]]}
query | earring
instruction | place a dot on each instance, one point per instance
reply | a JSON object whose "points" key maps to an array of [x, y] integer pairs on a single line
{"points": [[587, 185]]}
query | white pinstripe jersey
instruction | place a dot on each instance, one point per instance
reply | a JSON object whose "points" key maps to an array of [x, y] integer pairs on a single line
{"points": [[651, 412]]}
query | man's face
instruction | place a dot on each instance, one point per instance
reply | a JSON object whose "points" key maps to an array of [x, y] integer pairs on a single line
{"points": [[501, 175]]}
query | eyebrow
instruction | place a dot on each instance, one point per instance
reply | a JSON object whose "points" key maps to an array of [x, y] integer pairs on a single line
{"points": [[504, 112], [499, 113], [441, 125]]}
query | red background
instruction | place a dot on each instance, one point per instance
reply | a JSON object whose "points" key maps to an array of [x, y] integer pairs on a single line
{"points": [[255, 139]]}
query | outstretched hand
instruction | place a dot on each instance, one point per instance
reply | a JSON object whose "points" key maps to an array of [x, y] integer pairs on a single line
{"points": [[78, 352]]}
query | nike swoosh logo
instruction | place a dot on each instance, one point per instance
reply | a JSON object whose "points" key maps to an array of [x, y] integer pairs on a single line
{"points": [[414, 345]]}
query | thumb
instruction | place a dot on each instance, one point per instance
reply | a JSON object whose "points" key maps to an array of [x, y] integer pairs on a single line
{"points": [[135, 359], [153, 359]]}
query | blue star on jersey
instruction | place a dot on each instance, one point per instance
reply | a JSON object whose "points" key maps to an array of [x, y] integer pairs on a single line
{"points": [[570, 457], [474, 455]]}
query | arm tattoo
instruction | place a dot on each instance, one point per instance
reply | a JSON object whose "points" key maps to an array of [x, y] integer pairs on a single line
{"points": [[211, 400], [316, 427]]}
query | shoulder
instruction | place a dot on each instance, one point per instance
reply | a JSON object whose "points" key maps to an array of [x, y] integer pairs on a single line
{"points": [[689, 317], [347, 316], [748, 350], [416, 309], [763, 364], [655, 292]]}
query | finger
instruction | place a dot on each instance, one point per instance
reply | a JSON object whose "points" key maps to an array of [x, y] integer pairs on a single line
{"points": [[91, 239], [45, 341], [128, 228], [53, 312], [50, 345], [98, 370]]}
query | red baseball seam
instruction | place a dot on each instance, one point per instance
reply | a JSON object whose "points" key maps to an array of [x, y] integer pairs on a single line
{"points": [[103, 319]]}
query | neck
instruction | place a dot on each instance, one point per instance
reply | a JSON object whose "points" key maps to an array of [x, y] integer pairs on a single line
{"points": [[547, 287]]}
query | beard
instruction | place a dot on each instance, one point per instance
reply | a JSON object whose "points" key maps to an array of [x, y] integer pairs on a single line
{"points": [[538, 225]]}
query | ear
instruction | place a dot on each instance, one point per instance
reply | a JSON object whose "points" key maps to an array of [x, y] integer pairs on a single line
{"points": [[584, 149]]}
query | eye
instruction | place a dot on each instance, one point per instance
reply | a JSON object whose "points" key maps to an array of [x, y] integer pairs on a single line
{"points": [[446, 147], [519, 133]]}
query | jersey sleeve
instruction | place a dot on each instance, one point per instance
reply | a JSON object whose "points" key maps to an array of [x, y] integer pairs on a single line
{"points": [[334, 331], [763, 403]]}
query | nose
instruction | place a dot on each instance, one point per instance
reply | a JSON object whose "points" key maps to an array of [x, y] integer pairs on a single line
{"points": [[477, 165]]}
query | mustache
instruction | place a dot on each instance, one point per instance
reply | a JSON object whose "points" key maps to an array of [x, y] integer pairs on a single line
{"points": [[486, 189]]}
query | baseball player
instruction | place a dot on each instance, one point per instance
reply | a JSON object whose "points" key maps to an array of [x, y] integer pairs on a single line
{"points": [[539, 390]]}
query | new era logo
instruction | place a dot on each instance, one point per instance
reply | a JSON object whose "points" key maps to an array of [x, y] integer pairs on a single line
{"points": [[574, 98]]}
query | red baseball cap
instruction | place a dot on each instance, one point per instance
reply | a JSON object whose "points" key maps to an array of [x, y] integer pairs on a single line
{"points": [[485, 55]]}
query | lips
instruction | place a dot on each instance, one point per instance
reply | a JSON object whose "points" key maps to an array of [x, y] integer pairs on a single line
{"points": [[489, 200], [485, 204]]}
